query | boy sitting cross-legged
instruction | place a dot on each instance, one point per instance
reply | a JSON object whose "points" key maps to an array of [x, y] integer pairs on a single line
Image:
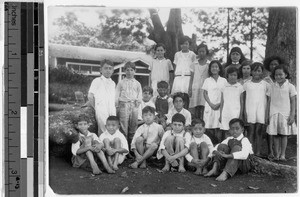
{"points": [[115, 143], [146, 138], [173, 146], [87, 147]]}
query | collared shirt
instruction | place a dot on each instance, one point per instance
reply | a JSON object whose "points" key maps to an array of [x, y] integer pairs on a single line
{"points": [[117, 134], [76, 146], [160, 69], [184, 112], [129, 90], [246, 147], [204, 138], [183, 62], [144, 104], [152, 133]]}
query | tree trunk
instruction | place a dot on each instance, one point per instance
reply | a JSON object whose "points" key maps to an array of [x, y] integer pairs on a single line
{"points": [[281, 35]]}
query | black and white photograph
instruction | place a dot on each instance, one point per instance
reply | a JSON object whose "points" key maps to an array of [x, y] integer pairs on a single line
{"points": [[171, 99]]}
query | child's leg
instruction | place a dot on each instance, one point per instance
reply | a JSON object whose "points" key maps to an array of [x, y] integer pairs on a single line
{"points": [[276, 139], [195, 154], [169, 146], [104, 162], [93, 163], [109, 151], [283, 147], [258, 138], [117, 146], [204, 151], [150, 149], [219, 135], [140, 149], [124, 117], [133, 121], [179, 146], [218, 162], [201, 111], [250, 133], [270, 147]]}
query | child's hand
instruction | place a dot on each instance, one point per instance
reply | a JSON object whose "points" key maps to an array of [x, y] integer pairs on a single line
{"points": [[190, 92], [220, 119], [267, 120], [97, 148], [291, 119], [81, 139]]}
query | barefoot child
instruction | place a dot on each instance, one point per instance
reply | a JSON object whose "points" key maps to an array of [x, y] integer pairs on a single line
{"points": [[173, 146], [146, 138], [232, 154], [115, 143], [200, 147], [87, 147]]}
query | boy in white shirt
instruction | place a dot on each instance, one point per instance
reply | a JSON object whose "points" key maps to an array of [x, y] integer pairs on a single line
{"points": [[146, 101]]}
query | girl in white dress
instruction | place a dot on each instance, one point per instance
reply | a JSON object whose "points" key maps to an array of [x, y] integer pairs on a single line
{"points": [[256, 100], [212, 94], [199, 74]]}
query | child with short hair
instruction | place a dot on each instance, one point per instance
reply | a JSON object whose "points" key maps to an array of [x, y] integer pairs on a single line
{"points": [[146, 101], [173, 146], [232, 154], [256, 106], [232, 101], [161, 68], [245, 72], [115, 143], [101, 94], [178, 102], [183, 61], [128, 100], [282, 107], [235, 58], [199, 72], [146, 138], [87, 147], [200, 147]]}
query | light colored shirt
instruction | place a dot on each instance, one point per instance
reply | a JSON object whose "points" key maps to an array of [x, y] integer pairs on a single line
{"points": [[110, 137], [160, 69], [152, 133], [184, 112], [204, 138], [129, 90], [246, 147], [76, 146], [183, 62], [144, 104]]}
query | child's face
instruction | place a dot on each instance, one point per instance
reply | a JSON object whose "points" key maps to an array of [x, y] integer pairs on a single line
{"points": [[83, 126], [273, 64], [202, 52], [232, 78], [257, 74], [147, 96], [162, 91], [280, 76], [177, 127], [178, 103], [214, 69], [185, 46], [236, 130], [107, 70], [129, 73], [160, 52], [112, 126], [246, 70], [148, 117], [235, 57], [198, 130]]}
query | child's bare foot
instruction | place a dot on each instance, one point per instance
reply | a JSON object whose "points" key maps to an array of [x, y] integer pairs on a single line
{"points": [[166, 168], [95, 169], [174, 163], [110, 151], [110, 171], [204, 171], [134, 165], [282, 158], [115, 167], [212, 172], [181, 169], [198, 171], [143, 164], [222, 177]]}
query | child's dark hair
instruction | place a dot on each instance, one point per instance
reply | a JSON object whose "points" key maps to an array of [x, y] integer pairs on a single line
{"points": [[178, 118], [240, 121], [202, 45], [160, 45], [184, 39], [235, 49], [129, 65], [256, 66], [221, 71], [232, 70], [178, 94], [245, 63], [148, 109], [108, 62], [81, 117], [198, 121], [112, 118], [163, 84], [148, 89], [283, 67], [270, 59]]}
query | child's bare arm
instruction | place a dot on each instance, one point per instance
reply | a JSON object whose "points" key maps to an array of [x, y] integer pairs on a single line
{"points": [[91, 99], [182, 153], [191, 84], [291, 118], [267, 114], [242, 105], [122, 150], [84, 149], [221, 107]]}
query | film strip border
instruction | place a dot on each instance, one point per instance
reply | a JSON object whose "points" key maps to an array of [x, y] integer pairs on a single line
{"points": [[24, 101]]}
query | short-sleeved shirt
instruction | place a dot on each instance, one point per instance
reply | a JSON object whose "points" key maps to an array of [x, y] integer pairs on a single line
{"points": [[129, 90], [183, 62], [110, 137], [144, 104], [76, 146], [184, 112], [160, 69]]}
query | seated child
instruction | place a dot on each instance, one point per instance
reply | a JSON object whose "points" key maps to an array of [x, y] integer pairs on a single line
{"points": [[115, 143], [232, 154], [87, 147], [200, 146], [146, 101], [173, 146], [146, 138]]}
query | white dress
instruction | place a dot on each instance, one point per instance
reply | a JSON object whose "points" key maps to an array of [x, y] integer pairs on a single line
{"points": [[213, 88], [256, 101]]}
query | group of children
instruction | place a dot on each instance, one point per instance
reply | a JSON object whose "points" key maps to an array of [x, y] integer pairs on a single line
{"points": [[154, 122]]}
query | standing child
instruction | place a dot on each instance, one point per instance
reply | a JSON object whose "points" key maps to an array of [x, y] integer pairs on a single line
{"points": [[183, 61], [232, 101], [232, 154], [146, 101], [245, 72], [200, 147], [101, 94], [146, 138], [282, 107], [128, 100], [161, 68], [255, 106], [199, 74], [115, 143], [212, 94], [173, 146], [235, 58], [87, 147]]}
